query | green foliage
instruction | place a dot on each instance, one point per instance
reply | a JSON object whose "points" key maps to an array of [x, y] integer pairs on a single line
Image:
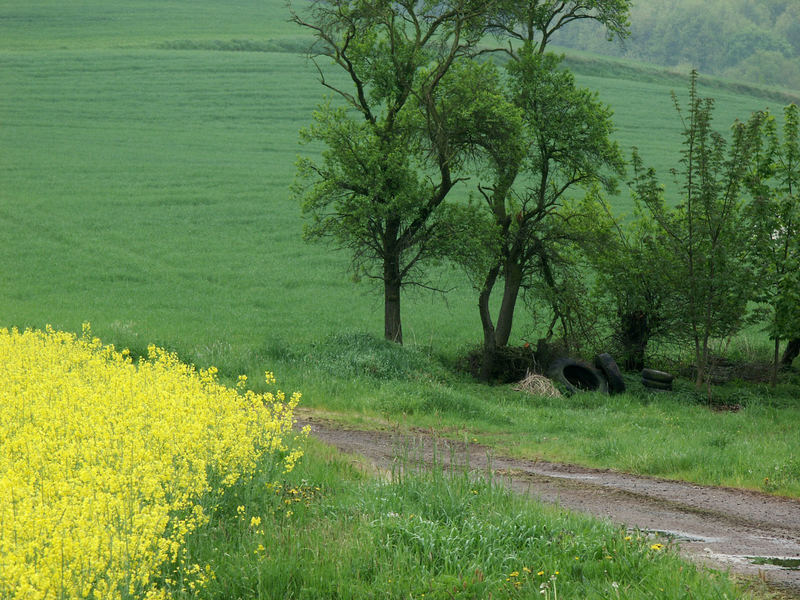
{"points": [[774, 216], [536, 22], [631, 294], [570, 150], [701, 245], [560, 140], [391, 154]]}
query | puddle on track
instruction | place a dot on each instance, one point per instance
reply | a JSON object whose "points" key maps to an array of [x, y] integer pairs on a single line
{"points": [[681, 536], [792, 564]]}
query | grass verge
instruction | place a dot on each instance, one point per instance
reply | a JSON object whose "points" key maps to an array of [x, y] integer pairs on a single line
{"points": [[427, 534], [368, 382]]}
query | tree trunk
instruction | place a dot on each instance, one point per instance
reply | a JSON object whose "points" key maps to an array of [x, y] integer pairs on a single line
{"points": [[512, 274], [393, 329], [790, 353], [773, 376], [634, 334], [700, 362], [489, 341]]}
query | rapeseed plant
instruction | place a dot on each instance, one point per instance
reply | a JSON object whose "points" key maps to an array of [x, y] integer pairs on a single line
{"points": [[104, 461]]}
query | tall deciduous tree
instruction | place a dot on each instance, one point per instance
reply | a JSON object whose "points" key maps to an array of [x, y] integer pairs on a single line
{"points": [[535, 22], [566, 144], [775, 220], [389, 159], [703, 242]]}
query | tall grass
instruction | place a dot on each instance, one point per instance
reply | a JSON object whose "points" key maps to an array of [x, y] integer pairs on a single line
{"points": [[750, 441], [438, 534]]}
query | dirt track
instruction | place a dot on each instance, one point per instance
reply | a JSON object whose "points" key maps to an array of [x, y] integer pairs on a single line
{"points": [[721, 527]]}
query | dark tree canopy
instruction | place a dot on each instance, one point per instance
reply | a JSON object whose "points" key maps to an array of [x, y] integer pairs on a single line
{"points": [[395, 133], [751, 40]]}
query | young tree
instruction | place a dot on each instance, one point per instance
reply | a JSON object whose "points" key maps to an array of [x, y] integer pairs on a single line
{"points": [[774, 214], [389, 159], [702, 246], [638, 297]]}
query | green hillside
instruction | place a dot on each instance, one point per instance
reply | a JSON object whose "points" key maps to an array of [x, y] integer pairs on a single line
{"points": [[146, 151], [751, 40], [87, 24]]}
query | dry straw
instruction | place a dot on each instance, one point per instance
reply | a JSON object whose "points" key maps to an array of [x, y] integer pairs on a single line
{"points": [[537, 385]]}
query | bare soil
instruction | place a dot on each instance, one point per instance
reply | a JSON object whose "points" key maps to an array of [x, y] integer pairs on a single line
{"points": [[724, 528]]}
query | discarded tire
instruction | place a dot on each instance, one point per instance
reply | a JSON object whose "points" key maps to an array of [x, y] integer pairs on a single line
{"points": [[660, 376], [657, 380], [656, 385], [608, 367], [577, 376]]}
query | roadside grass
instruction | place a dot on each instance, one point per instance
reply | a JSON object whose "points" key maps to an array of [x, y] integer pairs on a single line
{"points": [[747, 438], [328, 531]]}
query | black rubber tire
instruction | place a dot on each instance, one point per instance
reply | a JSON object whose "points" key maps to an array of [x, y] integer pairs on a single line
{"points": [[659, 376], [657, 385], [608, 367], [577, 376]]}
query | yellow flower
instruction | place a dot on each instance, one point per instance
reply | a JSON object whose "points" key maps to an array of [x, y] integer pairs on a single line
{"points": [[101, 454], [255, 521], [657, 547], [514, 574]]}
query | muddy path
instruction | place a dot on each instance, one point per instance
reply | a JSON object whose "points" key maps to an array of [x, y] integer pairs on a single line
{"points": [[720, 527]]}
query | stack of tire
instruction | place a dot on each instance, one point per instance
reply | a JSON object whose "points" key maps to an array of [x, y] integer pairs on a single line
{"points": [[578, 376], [608, 367], [657, 380]]}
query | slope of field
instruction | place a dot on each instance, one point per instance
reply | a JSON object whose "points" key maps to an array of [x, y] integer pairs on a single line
{"points": [[53, 25], [145, 165]]}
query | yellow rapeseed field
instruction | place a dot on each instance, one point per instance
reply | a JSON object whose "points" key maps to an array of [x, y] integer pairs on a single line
{"points": [[103, 461]]}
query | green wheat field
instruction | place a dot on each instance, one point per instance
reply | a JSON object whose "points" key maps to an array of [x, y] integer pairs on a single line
{"points": [[145, 165]]}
